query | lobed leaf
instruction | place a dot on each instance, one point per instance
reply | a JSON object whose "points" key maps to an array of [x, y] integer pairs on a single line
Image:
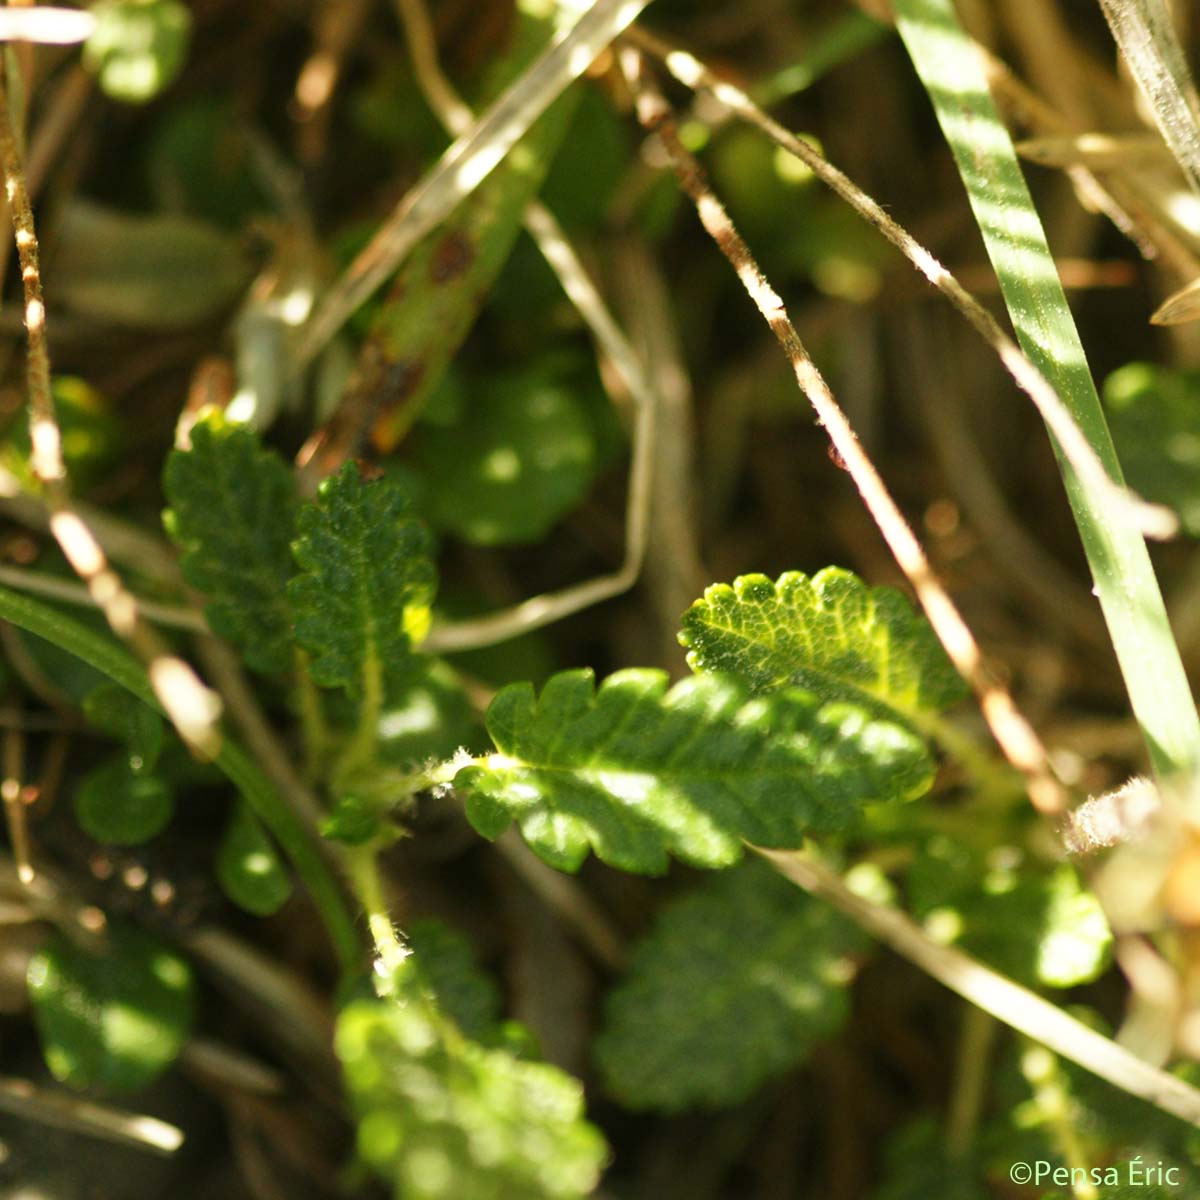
{"points": [[636, 772], [442, 1118], [118, 804], [831, 634], [116, 1019], [232, 513], [366, 583], [771, 965], [249, 868]]}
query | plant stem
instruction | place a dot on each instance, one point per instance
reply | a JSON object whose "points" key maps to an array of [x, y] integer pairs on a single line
{"points": [[368, 885], [237, 766]]}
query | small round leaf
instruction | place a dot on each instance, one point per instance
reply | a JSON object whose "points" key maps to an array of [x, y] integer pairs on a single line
{"points": [[249, 868], [116, 804], [116, 1019]]}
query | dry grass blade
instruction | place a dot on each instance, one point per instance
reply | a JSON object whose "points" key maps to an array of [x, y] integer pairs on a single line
{"points": [[193, 708], [1152, 519], [30, 1102], [1143, 31], [1012, 732], [545, 230], [467, 163], [47, 26], [987, 989]]}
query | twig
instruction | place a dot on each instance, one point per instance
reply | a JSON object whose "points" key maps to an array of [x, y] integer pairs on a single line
{"points": [[37, 584], [1012, 732], [27, 1100], [1016, 1006], [467, 163], [1154, 520], [11, 791], [191, 707], [583, 293], [46, 26]]}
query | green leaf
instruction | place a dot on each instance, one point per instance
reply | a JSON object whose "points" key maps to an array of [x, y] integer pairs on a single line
{"points": [[116, 1019], [114, 711], [362, 599], [636, 772], [1040, 926], [119, 805], [445, 963], [148, 271], [831, 634], [1155, 417], [442, 1118], [249, 868], [730, 988], [138, 46], [426, 715], [522, 455], [232, 513]]}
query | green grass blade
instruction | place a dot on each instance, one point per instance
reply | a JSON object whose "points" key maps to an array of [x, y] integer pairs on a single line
{"points": [[1125, 584], [235, 763]]}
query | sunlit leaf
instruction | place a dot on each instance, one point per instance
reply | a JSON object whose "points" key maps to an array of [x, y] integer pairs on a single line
{"points": [[362, 599], [138, 46], [635, 772]]}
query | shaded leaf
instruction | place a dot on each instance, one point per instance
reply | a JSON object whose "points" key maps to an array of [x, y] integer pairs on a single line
{"points": [[117, 804], [138, 46], [1155, 417], [831, 634], [919, 1165], [771, 965], [159, 271], [232, 513], [249, 868], [1041, 927], [521, 456], [113, 710], [426, 715], [636, 772], [441, 1118], [362, 598], [445, 963], [116, 1019]]}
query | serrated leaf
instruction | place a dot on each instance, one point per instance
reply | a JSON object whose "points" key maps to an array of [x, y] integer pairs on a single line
{"points": [[1154, 413], [831, 634], [636, 772], [148, 271], [770, 966], [114, 711], [441, 1118], [119, 805], [249, 868], [522, 455], [445, 963], [232, 513], [1041, 927], [363, 596], [138, 46], [116, 1019]]}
